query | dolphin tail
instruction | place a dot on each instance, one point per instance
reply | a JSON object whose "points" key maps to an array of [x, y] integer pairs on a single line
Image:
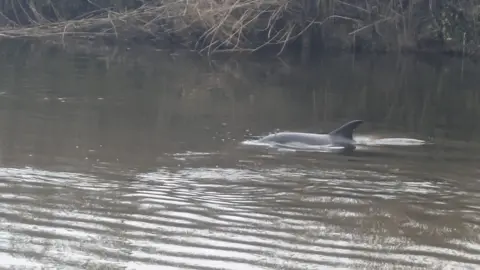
{"points": [[347, 129]]}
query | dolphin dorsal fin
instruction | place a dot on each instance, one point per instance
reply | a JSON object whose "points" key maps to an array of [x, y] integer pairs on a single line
{"points": [[346, 131]]}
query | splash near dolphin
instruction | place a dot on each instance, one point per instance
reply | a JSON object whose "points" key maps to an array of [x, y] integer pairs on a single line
{"points": [[340, 139]]}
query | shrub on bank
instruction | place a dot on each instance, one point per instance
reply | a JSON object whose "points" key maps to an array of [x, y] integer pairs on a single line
{"points": [[211, 25]]}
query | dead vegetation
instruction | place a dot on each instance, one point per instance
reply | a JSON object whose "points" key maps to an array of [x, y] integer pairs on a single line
{"points": [[248, 25], [207, 25]]}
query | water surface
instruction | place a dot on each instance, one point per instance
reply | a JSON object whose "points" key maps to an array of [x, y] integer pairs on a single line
{"points": [[132, 160]]}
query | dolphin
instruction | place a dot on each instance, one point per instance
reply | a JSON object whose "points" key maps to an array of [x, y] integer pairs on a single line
{"points": [[342, 136]]}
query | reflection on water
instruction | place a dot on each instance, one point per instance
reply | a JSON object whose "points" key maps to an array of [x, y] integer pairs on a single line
{"points": [[133, 161]]}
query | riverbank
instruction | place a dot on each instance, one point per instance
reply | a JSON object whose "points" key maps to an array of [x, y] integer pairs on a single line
{"points": [[209, 26]]}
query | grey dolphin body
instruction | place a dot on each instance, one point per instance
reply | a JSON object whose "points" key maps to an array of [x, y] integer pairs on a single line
{"points": [[342, 136]]}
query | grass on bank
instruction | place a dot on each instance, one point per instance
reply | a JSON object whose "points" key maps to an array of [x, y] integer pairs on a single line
{"points": [[239, 25], [201, 24]]}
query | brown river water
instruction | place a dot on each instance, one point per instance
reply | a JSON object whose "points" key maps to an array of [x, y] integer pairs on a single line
{"points": [[133, 159]]}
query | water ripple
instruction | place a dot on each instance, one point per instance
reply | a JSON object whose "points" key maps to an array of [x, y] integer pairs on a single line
{"points": [[237, 218]]}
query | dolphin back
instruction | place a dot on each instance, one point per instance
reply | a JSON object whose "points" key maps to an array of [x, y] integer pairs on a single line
{"points": [[346, 131]]}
